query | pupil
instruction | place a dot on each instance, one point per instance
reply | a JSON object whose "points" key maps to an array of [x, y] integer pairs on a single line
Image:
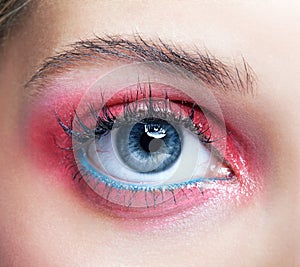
{"points": [[149, 143]]}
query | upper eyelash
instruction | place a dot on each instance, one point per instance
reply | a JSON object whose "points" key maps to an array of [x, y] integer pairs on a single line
{"points": [[105, 119]]}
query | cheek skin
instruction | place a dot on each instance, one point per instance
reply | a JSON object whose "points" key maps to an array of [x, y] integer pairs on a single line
{"points": [[47, 140]]}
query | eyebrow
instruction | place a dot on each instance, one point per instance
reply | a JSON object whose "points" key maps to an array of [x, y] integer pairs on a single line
{"points": [[209, 69]]}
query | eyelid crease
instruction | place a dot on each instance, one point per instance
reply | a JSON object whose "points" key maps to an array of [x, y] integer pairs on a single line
{"points": [[210, 70]]}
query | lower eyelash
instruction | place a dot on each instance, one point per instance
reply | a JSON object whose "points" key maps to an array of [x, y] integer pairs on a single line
{"points": [[129, 192]]}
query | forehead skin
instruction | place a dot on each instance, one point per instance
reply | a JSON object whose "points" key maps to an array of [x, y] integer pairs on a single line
{"points": [[56, 234]]}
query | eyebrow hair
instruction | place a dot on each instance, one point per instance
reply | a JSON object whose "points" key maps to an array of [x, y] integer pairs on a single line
{"points": [[210, 70]]}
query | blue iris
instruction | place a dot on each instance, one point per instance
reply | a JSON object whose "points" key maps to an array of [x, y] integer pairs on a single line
{"points": [[149, 146]]}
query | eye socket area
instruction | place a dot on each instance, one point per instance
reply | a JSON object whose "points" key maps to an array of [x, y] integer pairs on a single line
{"points": [[121, 168], [52, 139]]}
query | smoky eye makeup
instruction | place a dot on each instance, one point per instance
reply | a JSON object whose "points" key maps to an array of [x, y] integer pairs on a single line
{"points": [[144, 140]]}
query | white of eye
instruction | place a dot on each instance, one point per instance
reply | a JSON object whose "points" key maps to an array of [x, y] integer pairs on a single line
{"points": [[194, 162]]}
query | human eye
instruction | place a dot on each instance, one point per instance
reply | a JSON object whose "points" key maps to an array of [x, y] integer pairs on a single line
{"points": [[134, 148], [147, 140]]}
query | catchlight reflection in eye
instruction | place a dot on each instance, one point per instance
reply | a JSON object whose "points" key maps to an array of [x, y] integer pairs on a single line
{"points": [[143, 137]]}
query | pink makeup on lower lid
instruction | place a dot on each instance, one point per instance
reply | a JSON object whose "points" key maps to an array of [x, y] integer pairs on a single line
{"points": [[52, 115]]}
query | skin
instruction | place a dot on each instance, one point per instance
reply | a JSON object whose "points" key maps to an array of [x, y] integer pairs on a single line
{"points": [[43, 223]]}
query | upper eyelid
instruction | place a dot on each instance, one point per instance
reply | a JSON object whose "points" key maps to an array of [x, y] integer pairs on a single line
{"points": [[210, 70]]}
